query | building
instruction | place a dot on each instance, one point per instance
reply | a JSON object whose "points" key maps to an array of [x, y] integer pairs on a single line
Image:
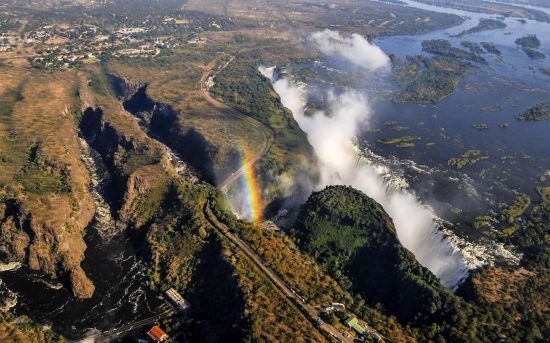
{"points": [[177, 300], [353, 323], [157, 334]]}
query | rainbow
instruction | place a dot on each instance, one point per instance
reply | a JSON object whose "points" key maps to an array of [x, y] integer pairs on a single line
{"points": [[252, 189]]}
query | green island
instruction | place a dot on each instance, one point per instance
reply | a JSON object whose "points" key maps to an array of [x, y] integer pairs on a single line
{"points": [[530, 41], [400, 128], [436, 78], [538, 112], [475, 48], [481, 127], [400, 142], [484, 221], [491, 48], [484, 25], [533, 54], [469, 158], [443, 47], [517, 209]]}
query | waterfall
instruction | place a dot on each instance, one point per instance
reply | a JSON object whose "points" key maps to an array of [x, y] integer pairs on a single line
{"points": [[332, 133]]}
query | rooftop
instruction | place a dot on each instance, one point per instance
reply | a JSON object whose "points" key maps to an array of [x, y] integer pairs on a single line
{"points": [[157, 334]]}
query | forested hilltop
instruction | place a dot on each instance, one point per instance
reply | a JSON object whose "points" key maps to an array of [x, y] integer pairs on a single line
{"points": [[354, 240]]}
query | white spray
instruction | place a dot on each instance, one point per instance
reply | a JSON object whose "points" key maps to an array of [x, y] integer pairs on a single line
{"points": [[332, 132]]}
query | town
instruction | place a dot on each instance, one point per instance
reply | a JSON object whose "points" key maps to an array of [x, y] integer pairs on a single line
{"points": [[63, 45]]}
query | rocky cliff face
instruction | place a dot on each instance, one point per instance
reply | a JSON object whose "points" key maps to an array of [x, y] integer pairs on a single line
{"points": [[121, 154], [45, 230]]}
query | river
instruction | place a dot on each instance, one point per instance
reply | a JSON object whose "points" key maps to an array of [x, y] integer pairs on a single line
{"points": [[493, 94], [122, 294]]}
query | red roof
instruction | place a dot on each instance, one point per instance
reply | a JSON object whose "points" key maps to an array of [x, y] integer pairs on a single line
{"points": [[157, 334]]}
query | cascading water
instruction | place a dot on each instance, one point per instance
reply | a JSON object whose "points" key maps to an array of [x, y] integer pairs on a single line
{"points": [[104, 222], [331, 134]]}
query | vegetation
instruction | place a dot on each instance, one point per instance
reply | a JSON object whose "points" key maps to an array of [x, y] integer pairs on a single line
{"points": [[534, 54], [400, 142], [530, 41], [475, 48], [355, 241], [442, 47], [243, 87], [517, 209], [484, 25], [538, 112], [534, 235], [22, 330], [491, 48], [481, 127], [437, 80], [469, 158]]}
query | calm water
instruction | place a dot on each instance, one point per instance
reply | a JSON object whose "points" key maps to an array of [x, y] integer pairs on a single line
{"points": [[489, 94]]}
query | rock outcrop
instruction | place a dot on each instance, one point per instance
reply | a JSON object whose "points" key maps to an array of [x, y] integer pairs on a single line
{"points": [[46, 232]]}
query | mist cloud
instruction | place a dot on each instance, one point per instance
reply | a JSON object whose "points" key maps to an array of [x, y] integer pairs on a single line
{"points": [[354, 48], [332, 133]]}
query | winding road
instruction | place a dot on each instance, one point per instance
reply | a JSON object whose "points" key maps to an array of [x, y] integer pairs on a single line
{"points": [[310, 312], [267, 133]]}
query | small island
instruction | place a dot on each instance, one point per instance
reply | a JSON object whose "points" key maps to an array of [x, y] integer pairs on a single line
{"points": [[442, 47], [490, 48], [474, 47], [534, 54], [539, 112], [429, 79], [400, 142], [469, 158], [481, 127], [484, 25], [530, 41]]}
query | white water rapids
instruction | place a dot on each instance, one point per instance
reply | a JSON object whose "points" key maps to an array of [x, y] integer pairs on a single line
{"points": [[105, 224]]}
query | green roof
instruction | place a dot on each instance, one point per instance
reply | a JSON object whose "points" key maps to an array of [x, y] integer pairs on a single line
{"points": [[353, 323]]}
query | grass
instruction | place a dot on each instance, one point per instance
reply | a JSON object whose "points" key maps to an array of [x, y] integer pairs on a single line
{"points": [[400, 142], [469, 158], [173, 80], [432, 80], [517, 209]]}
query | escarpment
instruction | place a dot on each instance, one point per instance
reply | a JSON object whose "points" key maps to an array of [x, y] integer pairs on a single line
{"points": [[122, 152], [162, 123], [45, 204]]}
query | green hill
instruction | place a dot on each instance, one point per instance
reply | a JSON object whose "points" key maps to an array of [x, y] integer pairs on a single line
{"points": [[352, 237]]}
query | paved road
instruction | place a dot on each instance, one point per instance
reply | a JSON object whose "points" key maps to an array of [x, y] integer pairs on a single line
{"points": [[310, 312], [268, 138]]}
